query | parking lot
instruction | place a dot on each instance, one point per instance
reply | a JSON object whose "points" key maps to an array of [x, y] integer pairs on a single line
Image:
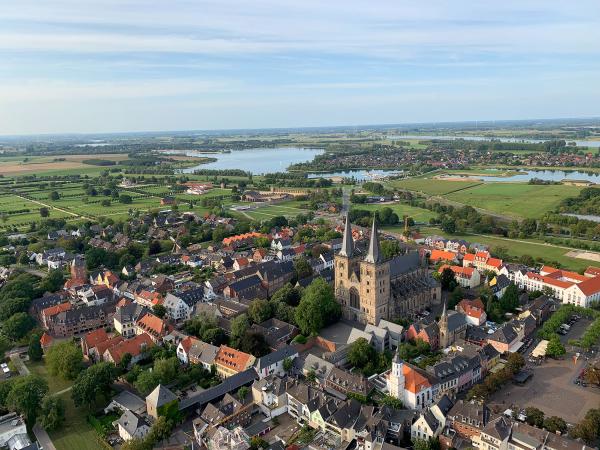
{"points": [[552, 388]]}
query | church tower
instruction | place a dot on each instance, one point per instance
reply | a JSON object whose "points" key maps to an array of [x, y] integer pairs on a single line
{"points": [[395, 380], [346, 281], [443, 326], [374, 282]]}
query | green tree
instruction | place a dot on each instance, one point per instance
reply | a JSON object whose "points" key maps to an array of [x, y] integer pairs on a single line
{"points": [[260, 310], [146, 382], [166, 369], [26, 396], [52, 413], [125, 199], [288, 364], [239, 326], [254, 343], [448, 279], [554, 424], [65, 360], [17, 326], [302, 268], [555, 348], [535, 416], [35, 351], [361, 353], [93, 381], [53, 281], [510, 299], [54, 196], [44, 212], [515, 362], [159, 310], [10, 306], [161, 429], [317, 308], [287, 294]]}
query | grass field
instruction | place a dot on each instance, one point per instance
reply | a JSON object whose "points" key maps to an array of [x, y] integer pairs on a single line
{"points": [[518, 200], [517, 248], [16, 166], [419, 215], [515, 199], [76, 432], [432, 186]]}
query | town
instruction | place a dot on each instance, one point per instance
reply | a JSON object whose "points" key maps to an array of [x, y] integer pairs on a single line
{"points": [[300, 333]]}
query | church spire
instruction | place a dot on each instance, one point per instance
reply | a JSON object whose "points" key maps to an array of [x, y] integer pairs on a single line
{"points": [[347, 243], [373, 256]]}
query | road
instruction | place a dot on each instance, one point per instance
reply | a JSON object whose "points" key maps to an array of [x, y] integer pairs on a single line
{"points": [[43, 438]]}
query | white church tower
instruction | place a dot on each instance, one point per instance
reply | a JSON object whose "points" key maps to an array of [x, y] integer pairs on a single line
{"points": [[395, 380]]}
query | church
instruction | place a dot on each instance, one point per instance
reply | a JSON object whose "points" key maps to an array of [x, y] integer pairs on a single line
{"points": [[371, 288]]}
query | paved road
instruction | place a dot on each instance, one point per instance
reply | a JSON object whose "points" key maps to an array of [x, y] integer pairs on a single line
{"points": [[18, 362], [43, 438]]}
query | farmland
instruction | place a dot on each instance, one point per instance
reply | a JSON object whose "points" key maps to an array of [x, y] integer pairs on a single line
{"points": [[515, 199], [518, 200], [264, 212]]}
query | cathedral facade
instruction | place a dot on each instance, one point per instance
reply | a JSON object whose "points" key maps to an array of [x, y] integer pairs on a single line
{"points": [[370, 288]]}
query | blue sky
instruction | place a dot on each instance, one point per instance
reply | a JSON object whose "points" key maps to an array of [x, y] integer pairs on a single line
{"points": [[134, 65]]}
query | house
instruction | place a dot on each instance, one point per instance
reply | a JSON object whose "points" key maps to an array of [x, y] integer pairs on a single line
{"points": [[276, 332], [154, 326], [230, 361], [194, 351], [167, 201], [74, 321], [483, 262], [467, 277], [348, 382], [126, 316], [468, 419], [394, 331], [429, 333], [436, 256], [126, 401], [131, 426], [248, 288], [568, 287], [158, 400], [507, 338], [220, 438], [46, 341], [269, 394], [426, 427], [90, 341], [230, 412], [499, 284], [176, 308], [494, 435], [12, 430], [273, 362], [474, 311], [136, 347]]}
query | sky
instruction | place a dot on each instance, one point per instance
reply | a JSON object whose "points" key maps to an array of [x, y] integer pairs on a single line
{"points": [[78, 66]]}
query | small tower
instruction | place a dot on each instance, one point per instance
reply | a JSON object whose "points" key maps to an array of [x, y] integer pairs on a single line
{"points": [[443, 326], [395, 380]]}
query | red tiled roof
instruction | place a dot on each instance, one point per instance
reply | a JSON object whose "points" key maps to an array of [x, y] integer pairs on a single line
{"points": [[413, 381], [46, 340], [56, 309], [133, 346], [153, 324], [494, 262], [93, 338], [590, 286], [462, 272], [442, 255], [102, 346], [232, 358]]}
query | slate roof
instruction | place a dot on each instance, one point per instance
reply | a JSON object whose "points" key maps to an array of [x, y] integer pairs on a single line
{"points": [[275, 357]]}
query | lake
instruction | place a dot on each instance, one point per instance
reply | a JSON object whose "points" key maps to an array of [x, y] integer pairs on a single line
{"points": [[258, 161], [546, 175], [579, 143], [357, 174]]}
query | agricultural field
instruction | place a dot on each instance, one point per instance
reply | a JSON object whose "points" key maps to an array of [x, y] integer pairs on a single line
{"points": [[19, 212], [44, 165], [419, 215], [432, 186], [519, 247], [519, 200], [264, 212]]}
